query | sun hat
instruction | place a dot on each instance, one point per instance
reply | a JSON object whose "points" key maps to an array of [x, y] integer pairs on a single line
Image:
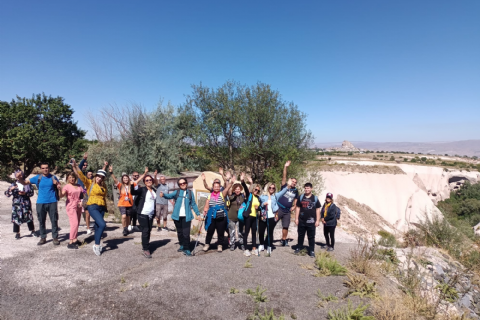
{"points": [[101, 173]]}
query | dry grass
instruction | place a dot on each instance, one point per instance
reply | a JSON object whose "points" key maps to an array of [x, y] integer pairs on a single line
{"points": [[362, 259], [391, 307]]}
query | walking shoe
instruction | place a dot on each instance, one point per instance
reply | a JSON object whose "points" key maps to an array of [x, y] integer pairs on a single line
{"points": [[206, 247], [269, 250], [17, 236], [89, 232], [72, 246], [255, 252], [297, 251], [165, 229], [219, 248], [187, 253], [159, 229], [97, 250], [180, 249], [323, 247], [42, 241], [232, 247], [34, 234], [261, 248], [286, 243], [312, 254], [56, 242], [125, 232], [135, 229], [147, 254], [330, 249], [242, 247], [247, 253]]}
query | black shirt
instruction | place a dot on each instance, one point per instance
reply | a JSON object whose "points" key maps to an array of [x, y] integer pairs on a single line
{"points": [[308, 209], [286, 201]]}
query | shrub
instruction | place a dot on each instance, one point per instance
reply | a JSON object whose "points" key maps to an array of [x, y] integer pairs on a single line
{"points": [[358, 285], [387, 239], [362, 256], [447, 292], [414, 238], [328, 265], [257, 294], [350, 313], [388, 255], [391, 308]]}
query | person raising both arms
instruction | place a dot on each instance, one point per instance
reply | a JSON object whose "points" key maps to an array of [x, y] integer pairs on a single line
{"points": [[226, 177], [146, 209], [96, 203], [269, 214], [216, 214], [21, 205], [287, 203], [47, 186], [125, 200], [330, 213], [73, 191], [250, 214], [235, 226], [162, 203], [182, 213], [307, 218], [137, 178], [89, 174]]}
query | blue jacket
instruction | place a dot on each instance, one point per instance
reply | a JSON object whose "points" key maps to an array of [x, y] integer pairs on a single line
{"points": [[188, 206], [212, 214], [275, 197]]}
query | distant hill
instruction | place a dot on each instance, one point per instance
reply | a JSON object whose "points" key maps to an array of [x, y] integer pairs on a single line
{"points": [[465, 147]]}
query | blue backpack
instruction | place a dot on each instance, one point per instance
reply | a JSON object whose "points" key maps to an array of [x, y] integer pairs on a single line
{"points": [[244, 207]]}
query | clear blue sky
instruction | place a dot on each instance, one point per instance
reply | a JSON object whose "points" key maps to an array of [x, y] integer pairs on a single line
{"points": [[361, 70]]}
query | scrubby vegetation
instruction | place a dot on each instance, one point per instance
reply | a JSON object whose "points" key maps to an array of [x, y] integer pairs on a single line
{"points": [[463, 206]]}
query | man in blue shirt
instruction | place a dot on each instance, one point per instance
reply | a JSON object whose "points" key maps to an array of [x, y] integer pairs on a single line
{"points": [[46, 202], [287, 203]]}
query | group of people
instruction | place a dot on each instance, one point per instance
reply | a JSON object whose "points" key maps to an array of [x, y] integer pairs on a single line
{"points": [[233, 209]]}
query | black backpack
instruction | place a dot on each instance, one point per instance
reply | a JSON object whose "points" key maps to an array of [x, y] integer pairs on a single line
{"points": [[189, 195]]}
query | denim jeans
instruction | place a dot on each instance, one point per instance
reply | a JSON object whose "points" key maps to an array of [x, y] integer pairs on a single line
{"points": [[42, 209], [98, 213]]}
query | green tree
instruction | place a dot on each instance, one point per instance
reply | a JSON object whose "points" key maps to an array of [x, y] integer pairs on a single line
{"points": [[248, 128], [38, 129]]}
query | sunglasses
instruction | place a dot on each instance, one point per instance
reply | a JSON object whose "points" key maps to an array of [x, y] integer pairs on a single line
{"points": [[182, 184], [272, 188], [148, 180], [258, 190]]}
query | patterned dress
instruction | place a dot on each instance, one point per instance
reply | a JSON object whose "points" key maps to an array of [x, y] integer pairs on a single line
{"points": [[21, 205]]}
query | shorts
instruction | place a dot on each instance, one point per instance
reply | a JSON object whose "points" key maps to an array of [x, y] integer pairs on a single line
{"points": [[126, 210], [161, 210], [284, 215]]}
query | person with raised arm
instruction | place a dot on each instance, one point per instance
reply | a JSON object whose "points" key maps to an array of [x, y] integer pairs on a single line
{"points": [[21, 205], [97, 201], [287, 203], [216, 214], [251, 214], [48, 187], [136, 178], [269, 215], [89, 174], [235, 226], [182, 213], [73, 191]]}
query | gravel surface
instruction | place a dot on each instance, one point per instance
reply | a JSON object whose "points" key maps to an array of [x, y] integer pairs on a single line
{"points": [[52, 282]]}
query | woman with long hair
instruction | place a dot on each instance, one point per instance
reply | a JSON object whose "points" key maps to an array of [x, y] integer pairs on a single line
{"points": [[250, 214], [96, 203], [216, 215], [235, 226], [74, 193], [125, 200], [269, 216], [329, 214], [21, 205], [146, 209]]}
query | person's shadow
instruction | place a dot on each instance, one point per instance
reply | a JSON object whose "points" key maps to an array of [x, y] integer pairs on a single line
{"points": [[112, 244], [158, 244]]}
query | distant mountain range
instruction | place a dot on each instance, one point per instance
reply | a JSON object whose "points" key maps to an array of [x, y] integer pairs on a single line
{"points": [[466, 147]]}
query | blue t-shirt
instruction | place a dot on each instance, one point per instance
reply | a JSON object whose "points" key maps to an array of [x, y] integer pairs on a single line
{"points": [[286, 201], [46, 189]]}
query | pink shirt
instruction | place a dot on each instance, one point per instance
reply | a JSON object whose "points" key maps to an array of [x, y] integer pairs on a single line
{"points": [[73, 196]]}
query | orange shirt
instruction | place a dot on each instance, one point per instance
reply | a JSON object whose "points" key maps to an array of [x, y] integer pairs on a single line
{"points": [[124, 194]]}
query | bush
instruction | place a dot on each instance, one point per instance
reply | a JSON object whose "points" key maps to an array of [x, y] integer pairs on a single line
{"points": [[350, 313], [362, 258], [387, 239], [388, 255], [358, 285], [328, 265], [414, 238]]}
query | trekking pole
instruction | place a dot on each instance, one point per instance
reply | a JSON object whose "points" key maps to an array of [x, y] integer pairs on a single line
{"points": [[198, 237], [269, 254]]}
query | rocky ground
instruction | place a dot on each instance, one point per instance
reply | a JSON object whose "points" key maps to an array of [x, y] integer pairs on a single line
{"points": [[52, 282]]}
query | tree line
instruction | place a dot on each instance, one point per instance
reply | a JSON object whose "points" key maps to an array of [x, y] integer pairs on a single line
{"points": [[235, 126]]}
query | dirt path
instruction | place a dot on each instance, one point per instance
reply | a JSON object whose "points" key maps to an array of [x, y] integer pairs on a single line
{"points": [[52, 282]]}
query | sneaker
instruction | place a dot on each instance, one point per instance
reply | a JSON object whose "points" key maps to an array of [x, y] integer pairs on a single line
{"points": [[297, 251], [147, 254], [312, 254], [159, 229], [42, 241], [323, 247], [180, 249], [34, 234], [56, 242], [97, 250], [17, 236], [72, 246], [187, 253], [135, 229], [269, 250], [255, 252], [89, 232], [247, 253], [330, 249], [206, 247], [286, 243], [242, 247], [219, 248], [261, 248], [165, 229], [232, 247], [125, 232]]}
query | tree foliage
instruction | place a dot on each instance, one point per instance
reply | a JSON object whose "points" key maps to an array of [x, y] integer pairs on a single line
{"points": [[38, 129], [247, 128]]}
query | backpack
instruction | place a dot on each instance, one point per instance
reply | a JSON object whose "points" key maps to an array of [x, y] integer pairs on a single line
{"points": [[189, 194], [315, 197], [244, 207], [220, 213], [39, 178]]}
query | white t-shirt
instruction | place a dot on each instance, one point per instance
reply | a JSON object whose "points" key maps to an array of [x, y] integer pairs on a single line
{"points": [[20, 186], [149, 205], [270, 213], [182, 208]]}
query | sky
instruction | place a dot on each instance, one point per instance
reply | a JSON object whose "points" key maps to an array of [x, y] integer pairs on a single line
{"points": [[383, 71]]}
